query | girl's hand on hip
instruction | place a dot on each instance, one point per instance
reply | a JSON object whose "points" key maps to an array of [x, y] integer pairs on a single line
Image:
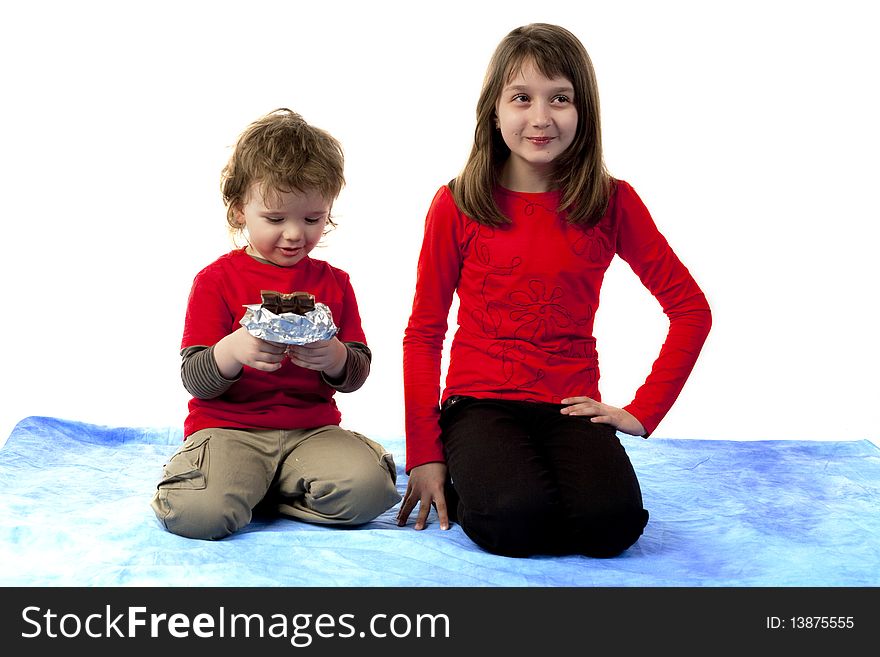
{"points": [[604, 414]]}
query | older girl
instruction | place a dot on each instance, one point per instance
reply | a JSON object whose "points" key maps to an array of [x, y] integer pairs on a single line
{"points": [[519, 448]]}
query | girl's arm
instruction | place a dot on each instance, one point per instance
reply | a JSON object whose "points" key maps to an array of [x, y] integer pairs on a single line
{"points": [[647, 252], [436, 280], [437, 276]]}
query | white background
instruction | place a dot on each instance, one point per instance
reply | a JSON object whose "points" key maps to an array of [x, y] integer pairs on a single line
{"points": [[750, 131]]}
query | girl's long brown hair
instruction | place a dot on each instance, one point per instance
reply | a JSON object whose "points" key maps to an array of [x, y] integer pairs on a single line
{"points": [[580, 172]]}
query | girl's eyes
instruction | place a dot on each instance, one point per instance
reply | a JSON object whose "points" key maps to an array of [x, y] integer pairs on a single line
{"points": [[560, 99]]}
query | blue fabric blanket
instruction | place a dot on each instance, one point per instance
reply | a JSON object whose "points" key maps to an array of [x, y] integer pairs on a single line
{"points": [[74, 511]]}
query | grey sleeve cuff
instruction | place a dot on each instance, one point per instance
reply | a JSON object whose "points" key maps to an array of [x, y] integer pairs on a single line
{"points": [[357, 368], [200, 375]]}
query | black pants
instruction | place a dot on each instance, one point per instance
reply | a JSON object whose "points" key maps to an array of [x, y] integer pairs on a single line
{"points": [[528, 480]]}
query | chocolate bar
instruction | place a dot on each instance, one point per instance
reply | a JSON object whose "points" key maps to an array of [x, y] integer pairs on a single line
{"points": [[295, 302]]}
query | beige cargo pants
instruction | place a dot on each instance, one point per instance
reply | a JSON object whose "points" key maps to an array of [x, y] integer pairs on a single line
{"points": [[325, 475]]}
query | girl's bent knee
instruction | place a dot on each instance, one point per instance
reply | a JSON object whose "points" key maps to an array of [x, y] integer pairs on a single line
{"points": [[611, 535], [510, 531]]}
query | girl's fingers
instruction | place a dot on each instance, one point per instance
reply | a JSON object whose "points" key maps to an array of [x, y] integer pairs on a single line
{"points": [[579, 410]]}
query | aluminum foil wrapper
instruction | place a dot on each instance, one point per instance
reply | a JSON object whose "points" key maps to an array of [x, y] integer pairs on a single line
{"points": [[289, 328]]}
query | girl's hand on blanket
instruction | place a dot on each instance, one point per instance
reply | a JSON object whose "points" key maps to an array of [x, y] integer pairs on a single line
{"points": [[424, 488], [326, 356], [241, 348], [604, 413]]}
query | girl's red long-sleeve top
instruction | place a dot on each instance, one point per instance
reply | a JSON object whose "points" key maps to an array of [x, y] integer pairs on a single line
{"points": [[528, 294]]}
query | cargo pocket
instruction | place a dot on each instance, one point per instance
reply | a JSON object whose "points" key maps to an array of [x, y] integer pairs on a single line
{"points": [[186, 469], [384, 455]]}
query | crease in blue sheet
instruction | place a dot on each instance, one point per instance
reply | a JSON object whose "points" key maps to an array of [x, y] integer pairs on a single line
{"points": [[74, 511]]}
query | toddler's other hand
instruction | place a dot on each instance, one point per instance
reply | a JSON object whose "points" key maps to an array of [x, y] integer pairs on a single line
{"points": [[326, 356]]}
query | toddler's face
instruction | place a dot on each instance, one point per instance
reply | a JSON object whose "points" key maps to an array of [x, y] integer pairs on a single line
{"points": [[284, 227], [537, 118]]}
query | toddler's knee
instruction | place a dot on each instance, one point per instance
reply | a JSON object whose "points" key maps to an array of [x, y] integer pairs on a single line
{"points": [[362, 497], [353, 500], [199, 516]]}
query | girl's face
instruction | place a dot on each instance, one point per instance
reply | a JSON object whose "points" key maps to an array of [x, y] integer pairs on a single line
{"points": [[538, 120], [285, 227]]}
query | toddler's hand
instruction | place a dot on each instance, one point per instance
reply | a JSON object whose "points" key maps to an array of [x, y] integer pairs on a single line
{"points": [[326, 356], [604, 413], [241, 348]]}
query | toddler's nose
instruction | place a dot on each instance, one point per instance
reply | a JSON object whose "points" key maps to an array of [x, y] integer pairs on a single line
{"points": [[292, 233]]}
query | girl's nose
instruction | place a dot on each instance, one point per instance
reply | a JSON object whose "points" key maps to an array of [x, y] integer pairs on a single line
{"points": [[540, 115]]}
